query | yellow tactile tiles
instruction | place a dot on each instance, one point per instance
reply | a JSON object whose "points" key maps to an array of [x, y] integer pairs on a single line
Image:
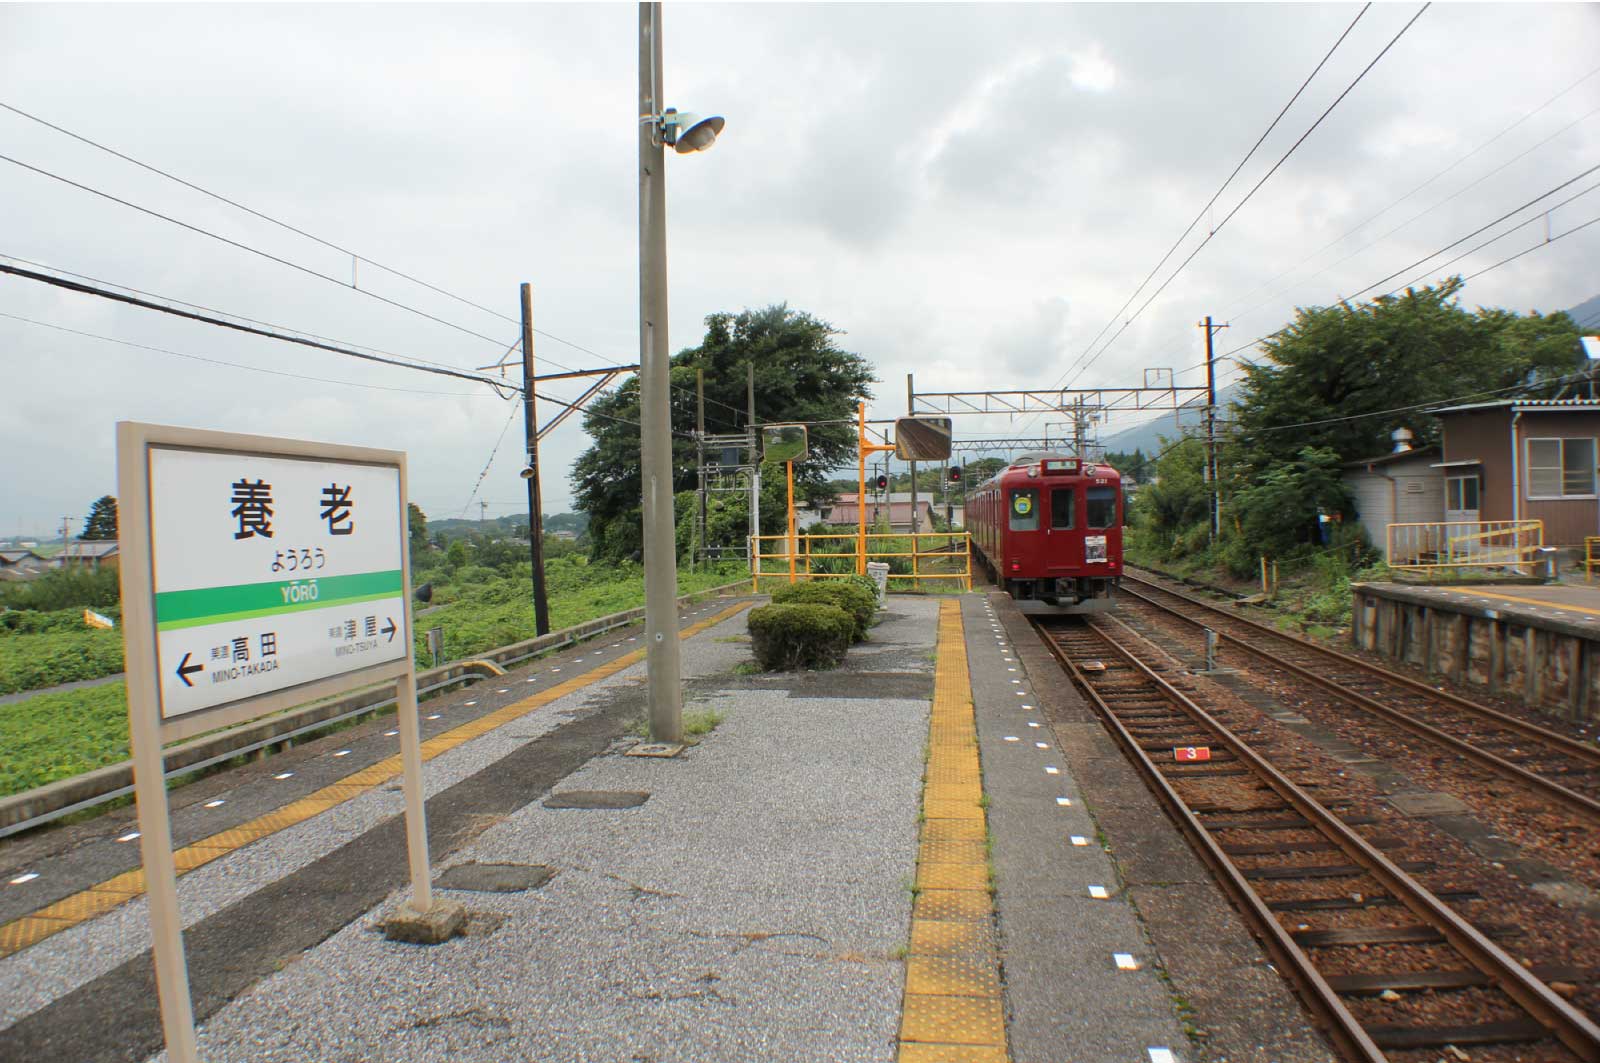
{"points": [[103, 896], [952, 1012]]}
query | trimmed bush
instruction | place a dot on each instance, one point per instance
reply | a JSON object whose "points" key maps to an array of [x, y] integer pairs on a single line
{"points": [[858, 603], [790, 637], [866, 583]]}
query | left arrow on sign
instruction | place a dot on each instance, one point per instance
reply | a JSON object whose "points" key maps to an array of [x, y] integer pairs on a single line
{"points": [[389, 629], [185, 669]]}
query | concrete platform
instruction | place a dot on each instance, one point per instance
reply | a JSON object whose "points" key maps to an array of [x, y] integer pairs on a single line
{"points": [[1534, 643], [821, 878]]}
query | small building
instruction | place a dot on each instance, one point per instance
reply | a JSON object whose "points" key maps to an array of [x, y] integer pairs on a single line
{"points": [[893, 507], [1524, 459], [1405, 487], [91, 554], [22, 564]]}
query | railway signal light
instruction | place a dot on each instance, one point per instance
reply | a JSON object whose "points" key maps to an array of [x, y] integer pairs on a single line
{"points": [[955, 474], [882, 482]]}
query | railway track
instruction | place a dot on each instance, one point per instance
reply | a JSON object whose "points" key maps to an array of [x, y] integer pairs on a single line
{"points": [[1384, 962], [1559, 768]]}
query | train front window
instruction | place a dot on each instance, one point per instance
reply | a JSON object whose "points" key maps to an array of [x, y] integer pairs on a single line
{"points": [[1102, 507], [1025, 510], [1062, 504]]}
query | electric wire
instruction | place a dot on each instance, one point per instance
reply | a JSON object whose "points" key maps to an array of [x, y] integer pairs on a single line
{"points": [[1475, 232], [492, 455], [220, 313], [240, 365], [1221, 188], [354, 255], [1257, 187], [252, 250], [61, 282]]}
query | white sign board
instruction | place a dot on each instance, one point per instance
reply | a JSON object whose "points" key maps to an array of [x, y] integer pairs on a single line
{"points": [[271, 572]]}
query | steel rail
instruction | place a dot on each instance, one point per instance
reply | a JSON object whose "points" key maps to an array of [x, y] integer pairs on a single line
{"points": [[1571, 1026], [1341, 1026], [1546, 786], [1532, 730]]}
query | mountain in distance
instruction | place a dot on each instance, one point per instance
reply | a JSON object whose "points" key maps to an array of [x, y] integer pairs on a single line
{"points": [[1587, 315], [1147, 436]]}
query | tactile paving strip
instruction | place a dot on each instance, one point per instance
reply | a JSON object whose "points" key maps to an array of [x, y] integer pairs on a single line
{"points": [[31, 929], [952, 1011]]}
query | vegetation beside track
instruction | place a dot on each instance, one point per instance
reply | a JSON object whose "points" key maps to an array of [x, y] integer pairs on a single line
{"points": [[481, 606]]}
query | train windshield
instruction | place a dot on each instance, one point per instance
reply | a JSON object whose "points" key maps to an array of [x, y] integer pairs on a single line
{"points": [[1102, 507], [1062, 504], [1025, 510]]}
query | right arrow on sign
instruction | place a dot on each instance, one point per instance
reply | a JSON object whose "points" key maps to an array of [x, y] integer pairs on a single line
{"points": [[389, 628], [185, 669]]}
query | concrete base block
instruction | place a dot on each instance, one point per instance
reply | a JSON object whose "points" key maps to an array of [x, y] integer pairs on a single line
{"points": [[441, 922]]}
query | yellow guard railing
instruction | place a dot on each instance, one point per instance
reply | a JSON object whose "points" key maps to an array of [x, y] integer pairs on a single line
{"points": [[809, 563], [1464, 544]]}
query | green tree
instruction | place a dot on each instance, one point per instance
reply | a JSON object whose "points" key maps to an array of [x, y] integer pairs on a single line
{"points": [[417, 527], [101, 523], [1334, 364], [801, 374], [1172, 509], [456, 555]]}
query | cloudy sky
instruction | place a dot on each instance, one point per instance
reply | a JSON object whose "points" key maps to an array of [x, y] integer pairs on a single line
{"points": [[969, 192]]}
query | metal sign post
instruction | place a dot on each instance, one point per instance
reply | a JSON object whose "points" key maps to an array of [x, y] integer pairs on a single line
{"points": [[257, 574]]}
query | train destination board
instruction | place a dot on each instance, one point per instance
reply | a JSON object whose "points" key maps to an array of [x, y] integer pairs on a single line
{"points": [[271, 572]]}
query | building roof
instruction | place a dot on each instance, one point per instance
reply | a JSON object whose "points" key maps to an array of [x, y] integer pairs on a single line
{"points": [[1393, 457], [1519, 405], [12, 557], [91, 549]]}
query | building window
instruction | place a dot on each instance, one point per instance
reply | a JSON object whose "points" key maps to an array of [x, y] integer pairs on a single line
{"points": [[1461, 493], [1561, 468]]}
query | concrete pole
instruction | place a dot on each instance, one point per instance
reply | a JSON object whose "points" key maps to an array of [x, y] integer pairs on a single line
{"points": [[665, 696], [530, 426], [755, 462]]}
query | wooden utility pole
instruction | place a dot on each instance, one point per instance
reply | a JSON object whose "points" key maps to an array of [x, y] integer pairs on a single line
{"points": [[1214, 500], [530, 427], [700, 463]]}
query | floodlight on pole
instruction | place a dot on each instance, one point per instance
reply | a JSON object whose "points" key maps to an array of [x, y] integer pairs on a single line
{"points": [[686, 132]]}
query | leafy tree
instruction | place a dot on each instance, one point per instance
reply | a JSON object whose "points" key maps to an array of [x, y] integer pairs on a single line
{"points": [[1421, 347], [456, 555], [417, 527], [1172, 508], [800, 375], [1278, 511], [101, 523]]}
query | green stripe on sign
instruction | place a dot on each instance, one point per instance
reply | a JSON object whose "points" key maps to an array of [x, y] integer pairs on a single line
{"points": [[211, 605]]}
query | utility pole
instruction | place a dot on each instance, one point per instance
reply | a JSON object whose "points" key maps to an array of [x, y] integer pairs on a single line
{"points": [[66, 531], [700, 464], [483, 513], [1211, 431], [665, 697], [755, 462], [530, 428], [911, 408]]}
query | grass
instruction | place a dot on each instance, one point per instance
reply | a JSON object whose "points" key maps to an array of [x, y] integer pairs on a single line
{"points": [[701, 722], [53, 736], [59, 735]]}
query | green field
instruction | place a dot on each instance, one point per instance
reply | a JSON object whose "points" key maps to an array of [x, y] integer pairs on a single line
{"points": [[54, 736]]}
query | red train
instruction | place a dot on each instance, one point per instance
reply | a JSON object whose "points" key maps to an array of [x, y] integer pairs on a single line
{"points": [[1049, 528]]}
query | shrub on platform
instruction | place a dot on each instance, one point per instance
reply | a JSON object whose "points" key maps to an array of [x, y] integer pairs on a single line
{"points": [[866, 583], [858, 603], [800, 635]]}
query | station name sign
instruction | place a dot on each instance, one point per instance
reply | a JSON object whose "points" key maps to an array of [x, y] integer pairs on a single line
{"points": [[271, 572]]}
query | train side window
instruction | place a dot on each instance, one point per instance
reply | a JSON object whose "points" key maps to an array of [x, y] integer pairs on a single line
{"points": [[1102, 507], [1025, 510], [1062, 506]]}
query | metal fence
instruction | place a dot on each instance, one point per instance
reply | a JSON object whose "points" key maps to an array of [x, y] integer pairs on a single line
{"points": [[834, 555], [1464, 544]]}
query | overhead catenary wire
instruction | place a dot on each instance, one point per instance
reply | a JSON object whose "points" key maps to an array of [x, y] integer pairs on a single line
{"points": [[1254, 189], [1220, 189]]}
